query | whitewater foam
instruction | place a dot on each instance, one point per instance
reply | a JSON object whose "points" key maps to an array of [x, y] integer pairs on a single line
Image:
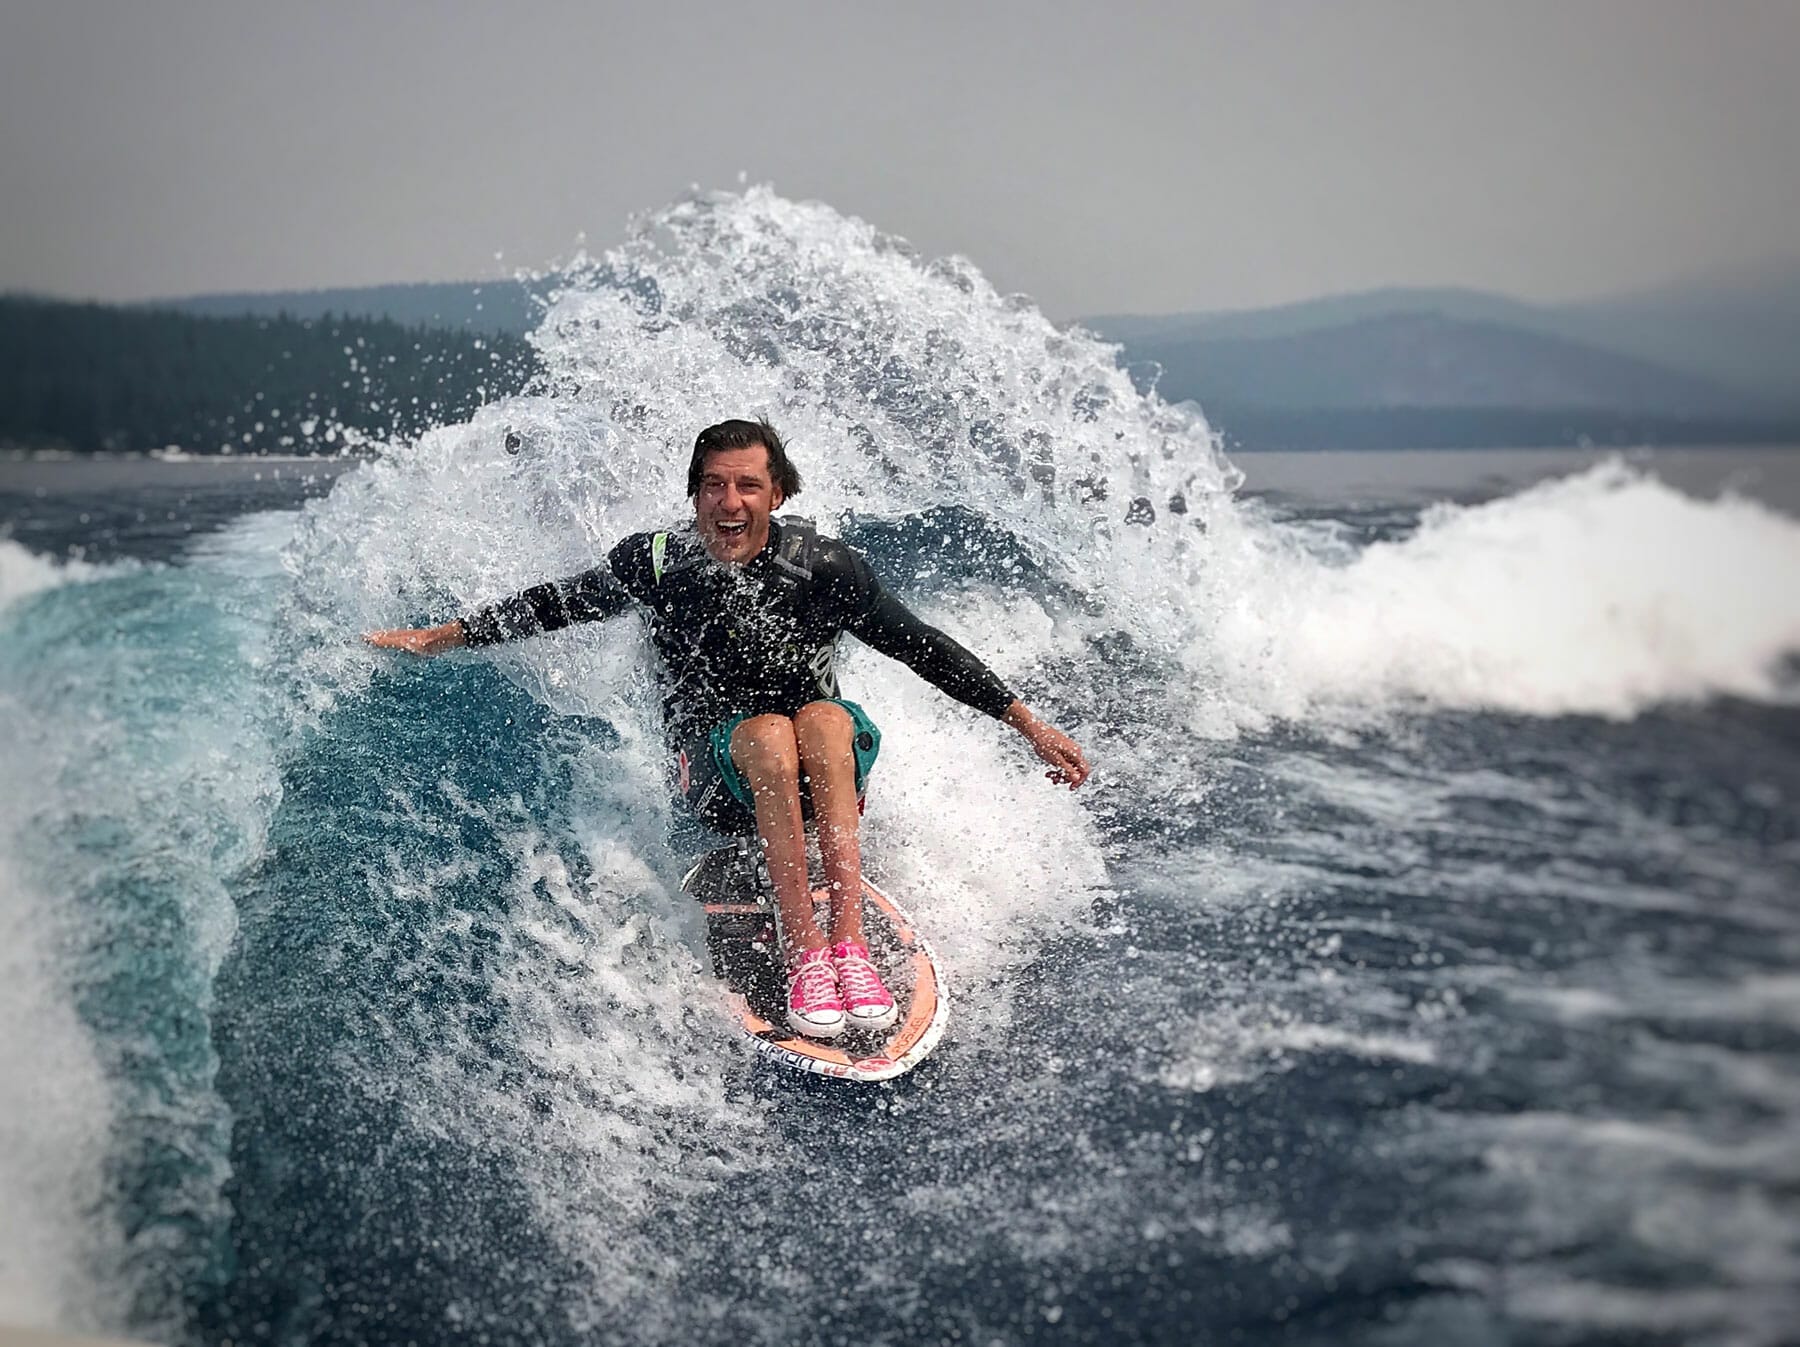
{"points": [[24, 573], [128, 801], [57, 1113], [1229, 1046], [1604, 593], [56, 1108]]}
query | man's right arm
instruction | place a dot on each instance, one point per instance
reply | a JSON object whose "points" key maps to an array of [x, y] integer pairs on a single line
{"points": [[420, 640], [588, 597]]}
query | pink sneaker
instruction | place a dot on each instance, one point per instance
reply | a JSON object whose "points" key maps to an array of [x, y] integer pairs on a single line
{"points": [[870, 1005], [813, 1007]]}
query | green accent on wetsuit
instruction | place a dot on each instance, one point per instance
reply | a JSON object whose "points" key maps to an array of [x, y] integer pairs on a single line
{"points": [[659, 549], [865, 744]]}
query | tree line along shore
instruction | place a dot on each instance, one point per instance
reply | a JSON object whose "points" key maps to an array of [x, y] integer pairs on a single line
{"points": [[97, 378]]}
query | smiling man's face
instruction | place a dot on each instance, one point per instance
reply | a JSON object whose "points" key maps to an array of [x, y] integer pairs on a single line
{"points": [[732, 507]]}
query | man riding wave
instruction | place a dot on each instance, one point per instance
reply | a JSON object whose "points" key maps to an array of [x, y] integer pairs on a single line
{"points": [[745, 612]]}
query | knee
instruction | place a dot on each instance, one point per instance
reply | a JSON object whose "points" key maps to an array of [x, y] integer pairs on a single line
{"points": [[765, 745], [822, 727]]}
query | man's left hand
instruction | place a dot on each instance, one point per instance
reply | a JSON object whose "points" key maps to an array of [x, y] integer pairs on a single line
{"points": [[1068, 766]]}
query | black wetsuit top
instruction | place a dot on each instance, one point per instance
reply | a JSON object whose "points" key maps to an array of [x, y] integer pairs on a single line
{"points": [[750, 639]]}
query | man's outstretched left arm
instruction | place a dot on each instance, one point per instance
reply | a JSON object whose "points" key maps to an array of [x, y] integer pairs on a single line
{"points": [[1068, 765], [890, 627]]}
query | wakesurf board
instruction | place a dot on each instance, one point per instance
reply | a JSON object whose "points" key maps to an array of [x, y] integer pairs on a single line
{"points": [[732, 886]]}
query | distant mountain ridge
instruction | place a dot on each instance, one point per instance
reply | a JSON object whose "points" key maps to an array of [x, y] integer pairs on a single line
{"points": [[1286, 320], [1741, 327], [1736, 334], [1423, 359]]}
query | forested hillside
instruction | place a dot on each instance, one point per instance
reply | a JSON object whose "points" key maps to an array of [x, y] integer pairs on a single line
{"points": [[91, 377]]}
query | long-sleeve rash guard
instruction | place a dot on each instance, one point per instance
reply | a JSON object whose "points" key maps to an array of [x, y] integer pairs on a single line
{"points": [[748, 639]]}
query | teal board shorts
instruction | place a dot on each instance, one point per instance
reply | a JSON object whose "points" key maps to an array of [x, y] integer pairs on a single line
{"points": [[709, 781]]}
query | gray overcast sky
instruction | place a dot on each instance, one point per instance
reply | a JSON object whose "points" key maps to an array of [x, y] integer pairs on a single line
{"points": [[1106, 157]]}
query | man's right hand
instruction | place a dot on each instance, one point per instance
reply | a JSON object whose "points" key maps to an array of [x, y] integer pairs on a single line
{"points": [[419, 640]]}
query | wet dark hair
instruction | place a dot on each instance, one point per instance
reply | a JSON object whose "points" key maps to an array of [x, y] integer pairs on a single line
{"points": [[742, 435]]}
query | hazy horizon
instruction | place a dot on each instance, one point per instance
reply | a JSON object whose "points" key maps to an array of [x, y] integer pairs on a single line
{"points": [[1157, 159], [1783, 265]]}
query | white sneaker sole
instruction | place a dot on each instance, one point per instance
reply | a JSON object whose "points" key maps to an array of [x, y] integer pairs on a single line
{"points": [[873, 1023], [809, 1029]]}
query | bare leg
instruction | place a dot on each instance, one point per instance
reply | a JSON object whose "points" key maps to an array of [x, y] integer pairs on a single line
{"points": [[764, 750], [822, 733]]}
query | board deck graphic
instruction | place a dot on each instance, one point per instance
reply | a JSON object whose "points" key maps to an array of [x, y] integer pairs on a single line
{"points": [[732, 887]]}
